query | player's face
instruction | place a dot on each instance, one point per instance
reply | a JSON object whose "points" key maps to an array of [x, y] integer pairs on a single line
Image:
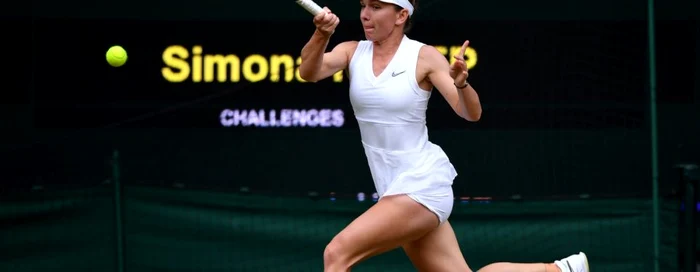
{"points": [[379, 19]]}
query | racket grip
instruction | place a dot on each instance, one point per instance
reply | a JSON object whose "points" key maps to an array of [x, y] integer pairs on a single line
{"points": [[310, 6]]}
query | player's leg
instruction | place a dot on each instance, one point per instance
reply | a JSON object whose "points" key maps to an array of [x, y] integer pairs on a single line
{"points": [[390, 223], [437, 251], [573, 263], [520, 267]]}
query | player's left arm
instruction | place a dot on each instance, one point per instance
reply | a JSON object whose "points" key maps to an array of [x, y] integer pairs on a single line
{"points": [[464, 100]]}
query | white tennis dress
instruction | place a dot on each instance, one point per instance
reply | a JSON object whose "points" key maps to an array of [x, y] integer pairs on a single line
{"points": [[390, 110]]}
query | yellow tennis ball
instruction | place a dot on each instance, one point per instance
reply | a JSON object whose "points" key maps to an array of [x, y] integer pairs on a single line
{"points": [[116, 56]]}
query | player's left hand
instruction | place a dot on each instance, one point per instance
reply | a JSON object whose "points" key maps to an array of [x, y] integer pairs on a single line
{"points": [[458, 70]]}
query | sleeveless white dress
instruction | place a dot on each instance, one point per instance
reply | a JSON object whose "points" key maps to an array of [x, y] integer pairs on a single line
{"points": [[391, 113]]}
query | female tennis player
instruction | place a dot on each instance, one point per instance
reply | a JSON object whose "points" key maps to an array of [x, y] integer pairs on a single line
{"points": [[391, 78]]}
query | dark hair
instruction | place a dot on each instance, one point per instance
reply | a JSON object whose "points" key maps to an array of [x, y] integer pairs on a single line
{"points": [[409, 21]]}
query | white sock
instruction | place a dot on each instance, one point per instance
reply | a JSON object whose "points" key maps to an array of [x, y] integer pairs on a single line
{"points": [[561, 266]]}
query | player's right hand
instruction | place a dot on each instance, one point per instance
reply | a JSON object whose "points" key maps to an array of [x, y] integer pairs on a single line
{"points": [[326, 22]]}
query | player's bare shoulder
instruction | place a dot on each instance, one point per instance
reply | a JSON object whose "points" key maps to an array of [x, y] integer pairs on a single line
{"points": [[430, 57], [348, 48], [429, 60]]}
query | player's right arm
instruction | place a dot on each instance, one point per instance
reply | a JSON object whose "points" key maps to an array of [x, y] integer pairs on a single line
{"points": [[316, 63]]}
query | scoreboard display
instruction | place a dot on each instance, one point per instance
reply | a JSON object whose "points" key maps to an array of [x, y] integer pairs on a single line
{"points": [[229, 74], [201, 74], [556, 95]]}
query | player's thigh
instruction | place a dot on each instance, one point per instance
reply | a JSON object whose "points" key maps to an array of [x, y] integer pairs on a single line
{"points": [[437, 251], [388, 224]]}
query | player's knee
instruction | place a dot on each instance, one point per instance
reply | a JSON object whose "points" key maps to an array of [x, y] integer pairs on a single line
{"points": [[336, 253], [330, 254]]}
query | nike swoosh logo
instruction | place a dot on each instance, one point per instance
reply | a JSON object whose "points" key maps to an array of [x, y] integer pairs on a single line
{"points": [[394, 74]]}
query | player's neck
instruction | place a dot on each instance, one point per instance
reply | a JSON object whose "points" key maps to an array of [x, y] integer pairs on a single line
{"points": [[389, 45]]}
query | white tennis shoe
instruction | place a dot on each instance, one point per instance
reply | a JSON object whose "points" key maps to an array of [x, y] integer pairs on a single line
{"points": [[574, 263]]}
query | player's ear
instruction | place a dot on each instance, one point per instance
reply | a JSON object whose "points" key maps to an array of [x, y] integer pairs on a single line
{"points": [[402, 17]]}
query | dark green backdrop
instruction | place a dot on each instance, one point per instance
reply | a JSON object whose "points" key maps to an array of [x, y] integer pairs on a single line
{"points": [[565, 93], [188, 230]]}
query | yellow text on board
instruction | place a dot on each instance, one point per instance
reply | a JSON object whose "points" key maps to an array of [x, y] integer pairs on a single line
{"points": [[193, 65]]}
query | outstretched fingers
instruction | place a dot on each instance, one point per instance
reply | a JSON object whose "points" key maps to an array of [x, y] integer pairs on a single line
{"points": [[460, 56]]}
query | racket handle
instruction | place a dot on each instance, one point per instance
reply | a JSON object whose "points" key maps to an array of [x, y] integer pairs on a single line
{"points": [[310, 6]]}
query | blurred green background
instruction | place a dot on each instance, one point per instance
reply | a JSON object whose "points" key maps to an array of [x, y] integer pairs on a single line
{"points": [[561, 161]]}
